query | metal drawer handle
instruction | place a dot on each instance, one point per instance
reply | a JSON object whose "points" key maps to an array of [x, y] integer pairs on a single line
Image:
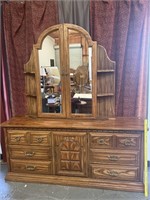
{"points": [[40, 140], [29, 154], [103, 141], [128, 142], [30, 168], [112, 173], [113, 157], [18, 138]]}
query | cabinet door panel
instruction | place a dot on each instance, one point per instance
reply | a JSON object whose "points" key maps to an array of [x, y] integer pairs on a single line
{"points": [[66, 155], [70, 153]]}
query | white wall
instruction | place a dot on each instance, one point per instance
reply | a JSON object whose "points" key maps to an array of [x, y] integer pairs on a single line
{"points": [[57, 56], [47, 52], [75, 52], [75, 55]]}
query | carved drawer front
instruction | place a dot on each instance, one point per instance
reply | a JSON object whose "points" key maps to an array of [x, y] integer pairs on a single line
{"points": [[98, 140], [33, 167], [40, 138], [114, 172], [128, 141], [70, 153], [28, 152], [114, 157], [18, 137]]}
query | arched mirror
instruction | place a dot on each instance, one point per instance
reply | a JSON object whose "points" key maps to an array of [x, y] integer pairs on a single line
{"points": [[50, 79], [80, 71], [64, 62]]}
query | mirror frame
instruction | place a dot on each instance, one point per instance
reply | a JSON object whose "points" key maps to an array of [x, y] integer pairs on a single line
{"points": [[64, 52]]}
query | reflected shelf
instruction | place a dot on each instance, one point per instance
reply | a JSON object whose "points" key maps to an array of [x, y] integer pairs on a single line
{"points": [[105, 94], [105, 70], [30, 73]]}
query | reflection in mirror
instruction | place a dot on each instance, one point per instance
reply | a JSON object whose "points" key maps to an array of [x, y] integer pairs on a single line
{"points": [[49, 63], [80, 73]]}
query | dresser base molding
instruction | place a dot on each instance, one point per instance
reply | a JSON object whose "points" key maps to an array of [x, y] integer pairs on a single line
{"points": [[76, 181]]}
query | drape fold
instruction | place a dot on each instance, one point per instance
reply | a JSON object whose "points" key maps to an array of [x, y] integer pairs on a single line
{"points": [[74, 12], [5, 100], [121, 27], [23, 23]]}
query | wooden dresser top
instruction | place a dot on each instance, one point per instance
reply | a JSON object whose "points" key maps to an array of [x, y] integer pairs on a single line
{"points": [[105, 124]]}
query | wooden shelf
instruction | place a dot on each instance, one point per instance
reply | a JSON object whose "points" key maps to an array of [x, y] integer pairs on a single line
{"points": [[29, 73], [105, 71], [105, 95]]}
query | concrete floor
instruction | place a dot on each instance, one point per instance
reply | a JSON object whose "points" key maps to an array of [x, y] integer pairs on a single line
{"points": [[30, 191]]}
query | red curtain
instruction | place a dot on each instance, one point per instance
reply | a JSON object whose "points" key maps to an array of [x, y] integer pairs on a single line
{"points": [[4, 99], [4, 95], [74, 12], [23, 23], [122, 28]]}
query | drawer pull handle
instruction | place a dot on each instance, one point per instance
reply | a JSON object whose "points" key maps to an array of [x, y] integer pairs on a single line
{"points": [[18, 138], [30, 168], [112, 173], [29, 154], [40, 140], [103, 141], [128, 142], [113, 157]]}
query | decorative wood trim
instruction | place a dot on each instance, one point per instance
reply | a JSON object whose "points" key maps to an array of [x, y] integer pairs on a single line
{"points": [[79, 130]]}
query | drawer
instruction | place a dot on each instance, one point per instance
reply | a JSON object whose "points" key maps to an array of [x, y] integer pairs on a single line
{"points": [[33, 167], [40, 138], [114, 172], [28, 152], [18, 137], [128, 141], [24, 137], [98, 141], [114, 157]]}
